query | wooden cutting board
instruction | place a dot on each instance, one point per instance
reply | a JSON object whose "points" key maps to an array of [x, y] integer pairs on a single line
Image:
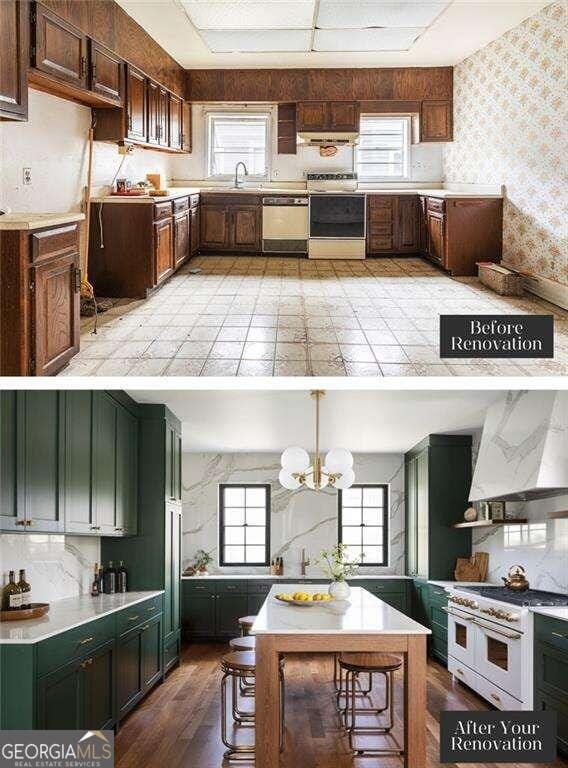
{"points": [[472, 568]]}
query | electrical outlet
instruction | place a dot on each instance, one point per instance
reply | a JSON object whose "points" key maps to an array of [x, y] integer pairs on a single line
{"points": [[27, 174]]}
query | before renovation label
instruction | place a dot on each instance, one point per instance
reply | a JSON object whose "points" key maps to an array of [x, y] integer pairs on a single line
{"points": [[504, 336], [497, 737]]}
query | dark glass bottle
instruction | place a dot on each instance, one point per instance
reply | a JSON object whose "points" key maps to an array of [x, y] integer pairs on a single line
{"points": [[26, 589], [121, 578], [96, 586], [110, 579], [11, 594]]}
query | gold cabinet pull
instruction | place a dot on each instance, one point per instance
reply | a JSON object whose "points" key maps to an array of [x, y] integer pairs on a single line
{"points": [[86, 640]]}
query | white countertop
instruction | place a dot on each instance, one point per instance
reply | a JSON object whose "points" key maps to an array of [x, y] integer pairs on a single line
{"points": [[68, 614], [173, 192], [11, 221], [555, 612], [261, 576], [363, 614]]}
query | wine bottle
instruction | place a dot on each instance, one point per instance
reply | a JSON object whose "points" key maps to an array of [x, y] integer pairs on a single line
{"points": [[121, 578], [26, 590], [11, 594], [95, 587], [110, 579]]}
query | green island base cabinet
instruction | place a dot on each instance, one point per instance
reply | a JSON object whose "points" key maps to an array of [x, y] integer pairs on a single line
{"points": [[87, 677], [428, 604], [551, 672]]}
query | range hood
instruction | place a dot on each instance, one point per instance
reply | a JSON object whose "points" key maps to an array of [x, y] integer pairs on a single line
{"points": [[327, 139], [524, 448]]}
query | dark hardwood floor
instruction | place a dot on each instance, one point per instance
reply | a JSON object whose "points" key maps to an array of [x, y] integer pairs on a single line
{"points": [[177, 726]]}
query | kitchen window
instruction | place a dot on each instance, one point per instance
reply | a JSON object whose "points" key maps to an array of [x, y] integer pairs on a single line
{"points": [[383, 150], [363, 523], [234, 137], [244, 524]]}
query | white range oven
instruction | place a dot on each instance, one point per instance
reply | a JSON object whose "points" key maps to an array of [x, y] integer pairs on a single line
{"points": [[337, 216], [490, 641]]}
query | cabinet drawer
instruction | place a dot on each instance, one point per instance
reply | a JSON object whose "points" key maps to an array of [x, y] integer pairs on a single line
{"points": [[380, 228], [380, 216], [552, 631], [235, 587], [435, 204], [438, 596], [162, 211], [377, 202], [74, 644], [260, 587], [198, 587], [138, 613], [54, 242], [181, 204], [193, 201], [381, 243], [378, 586]]}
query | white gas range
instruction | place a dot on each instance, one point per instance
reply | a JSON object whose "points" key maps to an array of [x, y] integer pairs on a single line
{"points": [[336, 216], [490, 641]]}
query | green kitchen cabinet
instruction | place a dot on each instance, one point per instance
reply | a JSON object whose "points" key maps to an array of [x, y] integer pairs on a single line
{"points": [[172, 585], [98, 708], [78, 462], [152, 652], [438, 622], [129, 687], [229, 609], [551, 672], [173, 462], [212, 608], [199, 608], [125, 517], [11, 518], [104, 463], [437, 480], [392, 591]]}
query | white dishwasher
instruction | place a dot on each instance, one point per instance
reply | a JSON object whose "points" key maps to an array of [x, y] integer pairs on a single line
{"points": [[285, 224]]}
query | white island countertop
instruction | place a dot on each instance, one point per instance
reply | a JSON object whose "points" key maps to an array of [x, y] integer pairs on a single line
{"points": [[69, 613], [362, 614]]}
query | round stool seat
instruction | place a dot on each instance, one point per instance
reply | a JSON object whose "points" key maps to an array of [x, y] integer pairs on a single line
{"points": [[374, 662], [239, 661], [246, 643], [247, 621]]}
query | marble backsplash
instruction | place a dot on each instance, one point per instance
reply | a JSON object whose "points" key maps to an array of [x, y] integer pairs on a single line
{"points": [[56, 566], [299, 518]]}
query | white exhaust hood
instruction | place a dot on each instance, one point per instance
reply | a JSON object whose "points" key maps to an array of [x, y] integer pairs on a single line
{"points": [[524, 448], [327, 139]]}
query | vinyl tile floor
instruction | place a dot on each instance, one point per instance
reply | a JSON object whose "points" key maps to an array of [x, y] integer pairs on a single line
{"points": [[255, 316]]}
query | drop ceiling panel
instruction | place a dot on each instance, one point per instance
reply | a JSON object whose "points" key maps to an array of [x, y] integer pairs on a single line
{"points": [[250, 14], [358, 14], [365, 39], [248, 41]]}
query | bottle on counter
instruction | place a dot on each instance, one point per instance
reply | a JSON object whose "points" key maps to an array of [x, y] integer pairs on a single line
{"points": [[121, 578], [109, 579], [11, 594], [96, 585], [26, 589]]}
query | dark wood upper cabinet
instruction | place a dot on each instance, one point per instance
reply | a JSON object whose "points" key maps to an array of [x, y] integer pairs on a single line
{"points": [[163, 116], [153, 91], [14, 57], [58, 48], [436, 121], [287, 130], [186, 143], [107, 72], [344, 115], [313, 115], [136, 105], [176, 121]]}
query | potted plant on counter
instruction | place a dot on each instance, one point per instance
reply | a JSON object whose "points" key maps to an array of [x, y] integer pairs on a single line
{"points": [[336, 565], [201, 561]]}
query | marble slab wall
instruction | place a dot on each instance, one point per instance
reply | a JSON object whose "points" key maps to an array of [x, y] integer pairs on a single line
{"points": [[56, 566], [299, 519]]}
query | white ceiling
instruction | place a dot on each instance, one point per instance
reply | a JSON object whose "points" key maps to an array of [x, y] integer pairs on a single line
{"points": [[198, 33], [362, 421]]}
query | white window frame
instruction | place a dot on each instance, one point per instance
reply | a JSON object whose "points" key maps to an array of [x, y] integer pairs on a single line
{"points": [[245, 115], [406, 149]]}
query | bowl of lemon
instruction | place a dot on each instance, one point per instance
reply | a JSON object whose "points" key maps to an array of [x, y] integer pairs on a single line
{"points": [[303, 599]]}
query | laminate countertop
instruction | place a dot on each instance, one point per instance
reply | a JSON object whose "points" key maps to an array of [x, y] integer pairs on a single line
{"points": [[18, 221], [362, 614], [69, 613]]}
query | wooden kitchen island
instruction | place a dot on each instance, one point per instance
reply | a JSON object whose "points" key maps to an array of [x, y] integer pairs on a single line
{"points": [[366, 624]]}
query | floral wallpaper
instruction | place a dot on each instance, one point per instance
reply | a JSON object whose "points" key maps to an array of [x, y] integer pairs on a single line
{"points": [[510, 117]]}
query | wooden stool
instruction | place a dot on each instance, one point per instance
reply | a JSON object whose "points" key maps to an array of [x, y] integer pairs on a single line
{"points": [[239, 665], [244, 643], [245, 623], [354, 664]]}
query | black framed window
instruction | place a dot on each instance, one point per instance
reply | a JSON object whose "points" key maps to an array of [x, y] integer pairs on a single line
{"points": [[244, 524], [363, 523]]}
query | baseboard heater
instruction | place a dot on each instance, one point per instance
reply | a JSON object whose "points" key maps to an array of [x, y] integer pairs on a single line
{"points": [[283, 245]]}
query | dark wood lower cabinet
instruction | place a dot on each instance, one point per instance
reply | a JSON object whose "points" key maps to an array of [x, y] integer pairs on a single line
{"points": [[231, 223], [163, 249], [182, 237], [246, 227]]}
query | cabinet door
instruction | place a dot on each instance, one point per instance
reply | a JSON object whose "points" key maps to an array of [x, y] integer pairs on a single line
{"points": [[11, 517], [14, 53], [422, 225], [60, 698], [195, 230], [422, 512], [58, 48], [436, 121], [182, 237], [136, 105], [104, 463], [344, 115], [313, 115], [78, 461], [153, 112], [199, 613], [176, 121], [98, 688], [186, 126], [411, 518], [56, 313], [171, 615], [163, 117], [107, 72], [246, 228], [381, 224], [163, 249], [435, 227], [215, 227], [40, 458], [126, 473], [129, 686], [407, 224], [176, 466], [229, 609], [151, 644]]}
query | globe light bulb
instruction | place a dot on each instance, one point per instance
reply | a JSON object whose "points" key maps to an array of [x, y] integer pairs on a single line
{"points": [[295, 459], [287, 481], [338, 460], [346, 480]]}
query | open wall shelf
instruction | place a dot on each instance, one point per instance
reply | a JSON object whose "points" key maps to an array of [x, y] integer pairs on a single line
{"points": [[490, 523]]}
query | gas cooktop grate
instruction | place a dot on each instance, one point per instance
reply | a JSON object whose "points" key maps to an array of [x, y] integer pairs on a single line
{"points": [[529, 598]]}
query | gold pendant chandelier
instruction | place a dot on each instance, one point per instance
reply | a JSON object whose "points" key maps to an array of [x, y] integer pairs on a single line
{"points": [[298, 470]]}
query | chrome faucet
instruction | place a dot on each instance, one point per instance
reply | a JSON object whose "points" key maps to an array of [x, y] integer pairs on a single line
{"points": [[239, 184], [304, 562]]}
